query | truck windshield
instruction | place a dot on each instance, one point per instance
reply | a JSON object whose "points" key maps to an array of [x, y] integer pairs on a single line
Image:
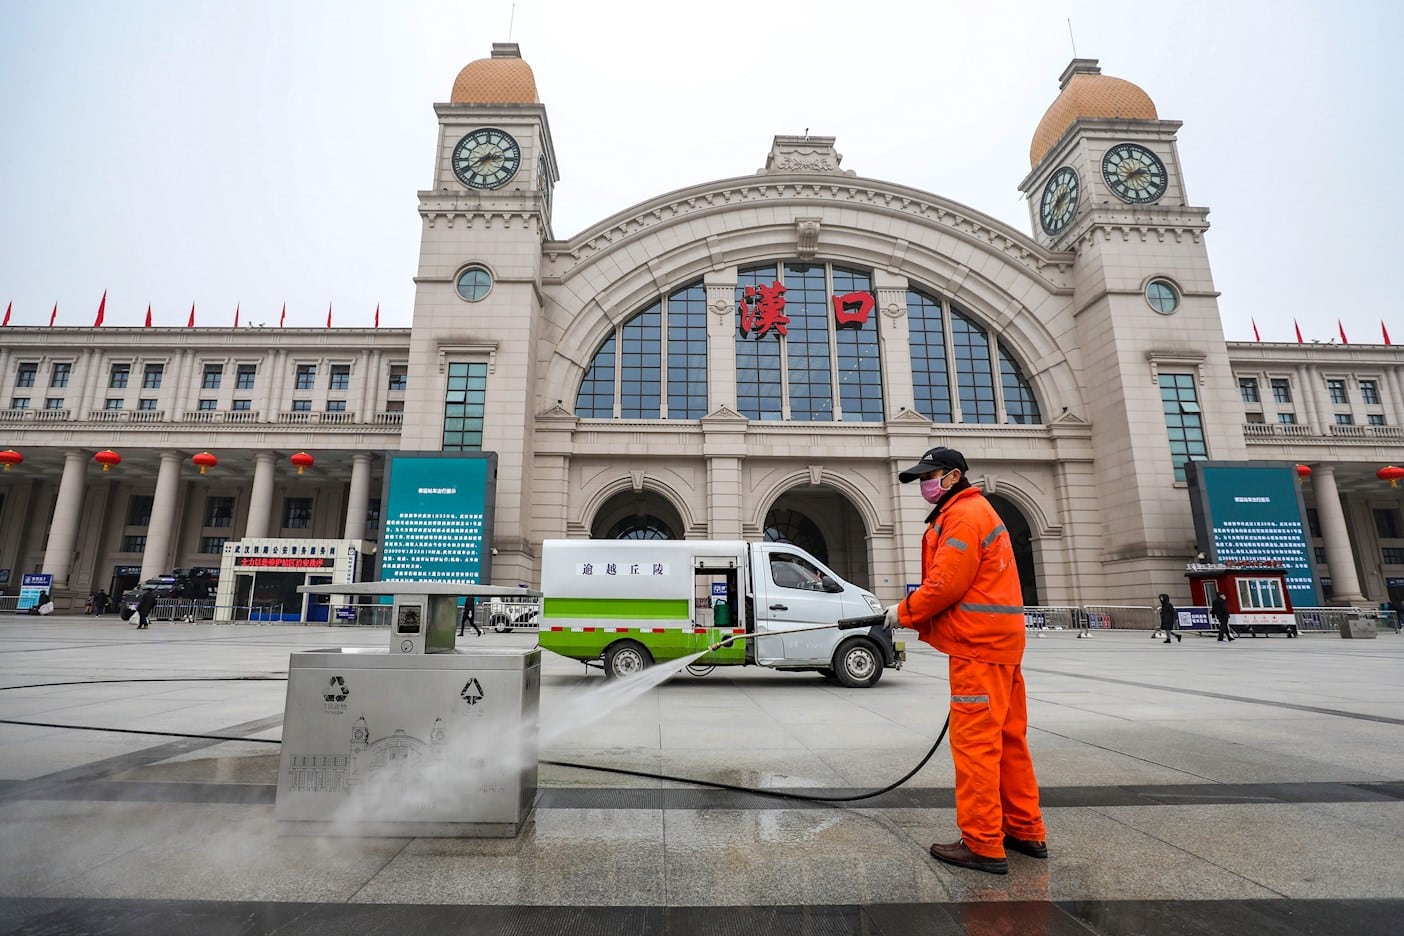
{"points": [[790, 571]]}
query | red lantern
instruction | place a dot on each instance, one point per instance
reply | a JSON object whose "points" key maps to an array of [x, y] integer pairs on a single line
{"points": [[1391, 474], [9, 458], [1304, 471], [204, 460], [107, 458], [303, 461]]}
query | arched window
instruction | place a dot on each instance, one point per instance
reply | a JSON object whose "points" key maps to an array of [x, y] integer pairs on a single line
{"points": [[644, 363], [641, 526], [807, 344], [788, 526], [949, 349]]}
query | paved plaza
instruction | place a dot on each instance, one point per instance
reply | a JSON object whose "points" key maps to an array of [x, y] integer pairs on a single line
{"points": [[1245, 788]]}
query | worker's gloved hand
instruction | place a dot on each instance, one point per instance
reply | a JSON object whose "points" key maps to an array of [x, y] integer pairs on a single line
{"points": [[890, 619]]}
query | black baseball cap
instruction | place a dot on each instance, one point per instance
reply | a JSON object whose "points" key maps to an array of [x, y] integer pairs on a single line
{"points": [[934, 460]]}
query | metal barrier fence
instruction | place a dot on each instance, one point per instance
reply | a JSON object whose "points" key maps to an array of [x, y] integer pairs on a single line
{"points": [[1123, 617], [9, 602], [1328, 620]]}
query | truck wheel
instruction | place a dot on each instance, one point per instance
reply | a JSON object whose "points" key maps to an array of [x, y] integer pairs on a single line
{"points": [[858, 664], [626, 658], [500, 622]]}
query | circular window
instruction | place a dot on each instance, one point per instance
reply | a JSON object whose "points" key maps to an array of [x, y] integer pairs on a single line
{"points": [[474, 283], [1162, 297]]}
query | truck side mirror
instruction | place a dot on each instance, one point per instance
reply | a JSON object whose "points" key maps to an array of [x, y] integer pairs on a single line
{"points": [[832, 587]]}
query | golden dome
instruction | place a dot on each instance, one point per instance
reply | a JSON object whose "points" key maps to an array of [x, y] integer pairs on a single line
{"points": [[503, 79], [1088, 93]]}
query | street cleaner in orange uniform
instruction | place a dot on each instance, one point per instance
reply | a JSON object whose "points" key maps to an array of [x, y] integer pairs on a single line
{"points": [[970, 607]]}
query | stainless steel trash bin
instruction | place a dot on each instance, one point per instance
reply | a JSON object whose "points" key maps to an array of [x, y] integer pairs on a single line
{"points": [[381, 743]]}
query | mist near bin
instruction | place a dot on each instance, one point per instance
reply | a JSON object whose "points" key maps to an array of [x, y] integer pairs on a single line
{"points": [[486, 755]]}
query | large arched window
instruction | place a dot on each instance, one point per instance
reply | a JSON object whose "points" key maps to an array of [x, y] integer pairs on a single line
{"points": [[807, 344], [951, 351], [639, 363]]}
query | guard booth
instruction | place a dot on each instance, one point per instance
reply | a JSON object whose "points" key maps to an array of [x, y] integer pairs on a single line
{"points": [[417, 738], [259, 579], [1255, 592]]}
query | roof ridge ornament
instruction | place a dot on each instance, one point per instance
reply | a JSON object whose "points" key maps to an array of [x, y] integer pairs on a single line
{"points": [[803, 153]]}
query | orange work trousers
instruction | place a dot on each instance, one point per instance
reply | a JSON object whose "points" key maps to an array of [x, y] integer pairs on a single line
{"points": [[995, 788]]}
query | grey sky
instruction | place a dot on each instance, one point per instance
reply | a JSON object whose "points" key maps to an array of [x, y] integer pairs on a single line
{"points": [[267, 152]]}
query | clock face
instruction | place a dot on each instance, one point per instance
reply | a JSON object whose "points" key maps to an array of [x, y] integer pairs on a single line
{"points": [[1134, 173], [486, 159], [1059, 202]]}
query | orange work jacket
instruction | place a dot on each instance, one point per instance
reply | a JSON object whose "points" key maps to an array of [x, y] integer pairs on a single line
{"points": [[970, 604]]}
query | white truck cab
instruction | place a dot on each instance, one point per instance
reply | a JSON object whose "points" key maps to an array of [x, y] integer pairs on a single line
{"points": [[629, 603]]}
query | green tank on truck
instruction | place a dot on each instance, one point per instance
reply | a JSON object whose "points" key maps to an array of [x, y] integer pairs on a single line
{"points": [[627, 604]]}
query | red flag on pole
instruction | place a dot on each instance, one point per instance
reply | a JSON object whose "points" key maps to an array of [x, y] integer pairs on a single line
{"points": [[1383, 330], [329, 305], [148, 315], [102, 310], [1342, 329], [236, 315], [12, 305], [284, 317], [377, 317], [1299, 330], [53, 315], [191, 323], [1255, 330]]}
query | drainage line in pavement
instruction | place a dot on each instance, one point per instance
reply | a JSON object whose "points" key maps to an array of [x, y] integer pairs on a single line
{"points": [[713, 784]]}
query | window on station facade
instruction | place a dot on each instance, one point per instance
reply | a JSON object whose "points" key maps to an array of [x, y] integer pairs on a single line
{"points": [[806, 350], [119, 376], [112, 403], [241, 406], [1183, 421], [1248, 387], [214, 374], [663, 346], [302, 406], [807, 344], [1369, 392], [1337, 390], [640, 526], [789, 526], [151, 376], [139, 510], [399, 378], [306, 378], [146, 405], [212, 544], [340, 377], [60, 374], [53, 402], [1387, 523], [24, 376], [1375, 419], [219, 511], [1281, 390], [207, 406], [464, 402], [297, 513], [134, 543], [244, 379], [1392, 555]]}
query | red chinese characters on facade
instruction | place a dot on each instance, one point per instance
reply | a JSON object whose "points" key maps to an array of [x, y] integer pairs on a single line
{"points": [[763, 308], [853, 308]]}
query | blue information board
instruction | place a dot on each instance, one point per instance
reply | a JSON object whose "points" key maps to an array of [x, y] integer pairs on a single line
{"points": [[1251, 511], [437, 511], [32, 585]]}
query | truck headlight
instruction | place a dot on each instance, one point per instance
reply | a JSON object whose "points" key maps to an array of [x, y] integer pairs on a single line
{"points": [[873, 604]]}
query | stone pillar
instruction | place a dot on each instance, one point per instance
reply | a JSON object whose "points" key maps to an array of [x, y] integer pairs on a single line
{"points": [[63, 529], [261, 497], [1345, 584], [358, 500], [163, 517], [721, 339]]}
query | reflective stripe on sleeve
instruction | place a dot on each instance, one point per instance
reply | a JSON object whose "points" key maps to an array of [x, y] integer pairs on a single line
{"points": [[956, 544], [994, 534], [970, 698], [992, 609]]}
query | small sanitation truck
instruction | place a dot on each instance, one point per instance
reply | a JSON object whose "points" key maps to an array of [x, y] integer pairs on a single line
{"points": [[626, 604]]}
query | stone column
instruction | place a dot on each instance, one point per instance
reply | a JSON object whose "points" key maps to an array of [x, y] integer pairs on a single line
{"points": [[261, 497], [63, 529], [163, 517], [358, 501], [1345, 584], [721, 339]]}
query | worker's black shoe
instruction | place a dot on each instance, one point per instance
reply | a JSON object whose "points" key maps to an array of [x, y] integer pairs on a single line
{"points": [[1024, 846], [957, 854]]}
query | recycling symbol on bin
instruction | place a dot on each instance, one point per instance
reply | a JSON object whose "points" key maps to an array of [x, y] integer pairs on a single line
{"points": [[472, 691], [337, 690]]}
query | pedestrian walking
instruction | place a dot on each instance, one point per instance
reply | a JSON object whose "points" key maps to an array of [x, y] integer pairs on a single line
{"points": [[470, 617], [970, 606], [100, 603], [144, 606], [1169, 619], [1218, 610]]}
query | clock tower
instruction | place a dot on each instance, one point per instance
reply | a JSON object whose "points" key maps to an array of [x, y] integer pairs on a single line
{"points": [[478, 298], [1106, 187]]}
